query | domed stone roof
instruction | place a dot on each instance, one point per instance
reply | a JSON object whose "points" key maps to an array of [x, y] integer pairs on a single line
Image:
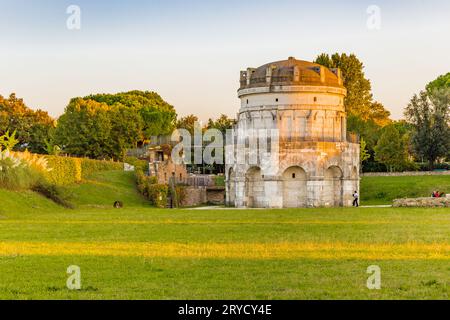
{"points": [[291, 72]]}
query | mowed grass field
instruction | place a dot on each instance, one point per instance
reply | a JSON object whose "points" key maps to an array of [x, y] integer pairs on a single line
{"points": [[139, 252], [382, 190]]}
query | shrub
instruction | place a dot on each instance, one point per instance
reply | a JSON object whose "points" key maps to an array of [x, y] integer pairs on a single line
{"points": [[219, 181], [137, 163], [142, 182], [371, 166], [67, 170], [180, 194], [64, 170], [140, 176], [410, 166], [34, 161], [55, 193], [437, 166], [89, 166], [15, 174], [157, 194], [150, 189]]}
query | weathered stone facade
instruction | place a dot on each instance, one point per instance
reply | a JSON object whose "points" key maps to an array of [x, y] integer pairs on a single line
{"points": [[195, 196], [310, 161], [163, 167]]}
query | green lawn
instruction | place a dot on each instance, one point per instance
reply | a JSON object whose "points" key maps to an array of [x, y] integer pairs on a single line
{"points": [[382, 190], [144, 253]]}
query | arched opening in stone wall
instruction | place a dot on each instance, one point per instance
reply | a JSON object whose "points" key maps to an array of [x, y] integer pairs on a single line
{"points": [[231, 187], [332, 191], [254, 188], [294, 187]]}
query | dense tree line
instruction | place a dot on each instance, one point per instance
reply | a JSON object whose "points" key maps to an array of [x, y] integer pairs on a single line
{"points": [[104, 126], [31, 128], [365, 116], [99, 126], [429, 114], [394, 145]]}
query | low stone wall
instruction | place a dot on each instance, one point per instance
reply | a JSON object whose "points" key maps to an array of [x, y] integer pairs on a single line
{"points": [[215, 195], [194, 197], [406, 173], [423, 202]]}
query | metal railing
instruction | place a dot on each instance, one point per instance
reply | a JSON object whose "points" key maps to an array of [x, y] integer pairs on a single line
{"points": [[196, 181]]}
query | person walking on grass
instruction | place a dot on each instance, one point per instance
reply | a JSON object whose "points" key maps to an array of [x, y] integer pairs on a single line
{"points": [[356, 199]]}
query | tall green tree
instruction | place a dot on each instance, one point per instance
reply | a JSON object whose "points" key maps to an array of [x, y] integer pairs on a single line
{"points": [[158, 117], [106, 125], [438, 89], [126, 129], [364, 153], [85, 129], [367, 129], [359, 96], [442, 82], [32, 127], [223, 123], [378, 113], [391, 149], [428, 114], [188, 122], [365, 116]]}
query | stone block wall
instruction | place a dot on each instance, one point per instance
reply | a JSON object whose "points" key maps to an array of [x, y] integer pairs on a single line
{"points": [[423, 202], [165, 170], [215, 196], [407, 173], [194, 197]]}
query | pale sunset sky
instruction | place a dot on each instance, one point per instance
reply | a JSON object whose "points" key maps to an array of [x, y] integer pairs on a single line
{"points": [[191, 52]]}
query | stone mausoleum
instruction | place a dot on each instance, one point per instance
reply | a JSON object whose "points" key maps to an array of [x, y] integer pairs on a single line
{"points": [[314, 162]]}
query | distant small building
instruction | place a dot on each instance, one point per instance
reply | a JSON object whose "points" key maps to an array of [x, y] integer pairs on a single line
{"points": [[198, 188], [162, 167]]}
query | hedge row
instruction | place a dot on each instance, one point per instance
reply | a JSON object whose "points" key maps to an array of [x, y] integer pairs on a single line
{"points": [[148, 186], [370, 166], [137, 163], [89, 166], [67, 170], [64, 170], [157, 194]]}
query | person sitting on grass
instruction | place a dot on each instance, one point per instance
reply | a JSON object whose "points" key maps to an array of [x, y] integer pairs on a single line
{"points": [[437, 194]]}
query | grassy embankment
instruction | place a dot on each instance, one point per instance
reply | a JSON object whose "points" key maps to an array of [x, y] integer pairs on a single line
{"points": [[382, 190]]}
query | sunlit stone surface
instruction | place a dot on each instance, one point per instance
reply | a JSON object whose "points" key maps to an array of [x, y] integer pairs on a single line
{"points": [[315, 162]]}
